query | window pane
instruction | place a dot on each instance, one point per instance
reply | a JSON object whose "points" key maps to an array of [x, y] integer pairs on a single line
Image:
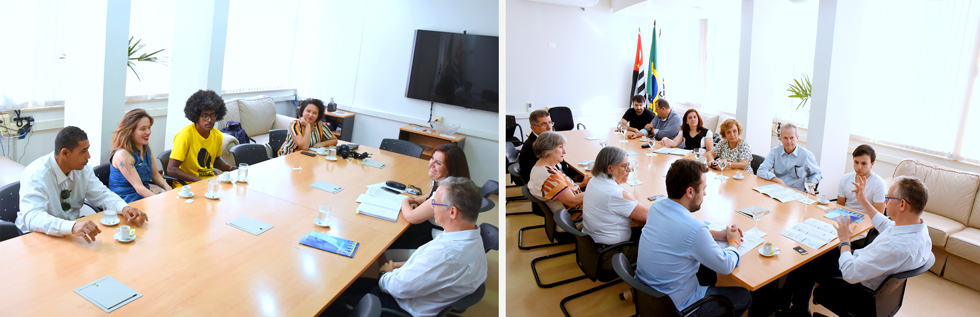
{"points": [[152, 23], [260, 43]]}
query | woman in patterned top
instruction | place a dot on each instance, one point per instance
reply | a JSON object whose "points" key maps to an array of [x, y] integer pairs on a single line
{"points": [[308, 130], [547, 182], [732, 148]]}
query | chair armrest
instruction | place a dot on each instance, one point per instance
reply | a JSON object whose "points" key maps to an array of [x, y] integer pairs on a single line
{"points": [[174, 179], [8, 230], [580, 126], [392, 312], [618, 246], [90, 205], [282, 122], [707, 299]]}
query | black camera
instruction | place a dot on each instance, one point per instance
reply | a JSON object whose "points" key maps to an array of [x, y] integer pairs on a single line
{"points": [[345, 151]]}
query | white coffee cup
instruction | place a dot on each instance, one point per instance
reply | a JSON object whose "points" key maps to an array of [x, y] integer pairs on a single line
{"points": [[591, 165], [124, 232], [768, 248], [226, 176], [186, 190], [739, 174]]}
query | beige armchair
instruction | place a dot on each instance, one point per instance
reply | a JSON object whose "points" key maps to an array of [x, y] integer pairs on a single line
{"points": [[258, 116], [952, 215]]}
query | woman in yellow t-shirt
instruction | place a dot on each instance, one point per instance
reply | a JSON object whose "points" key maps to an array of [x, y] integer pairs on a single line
{"points": [[197, 147], [308, 130]]}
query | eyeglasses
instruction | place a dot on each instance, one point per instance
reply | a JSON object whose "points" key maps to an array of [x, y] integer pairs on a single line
{"points": [[434, 203], [209, 116], [64, 195], [887, 198], [543, 124]]}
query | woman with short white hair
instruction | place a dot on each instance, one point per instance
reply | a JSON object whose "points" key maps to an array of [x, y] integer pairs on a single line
{"points": [[547, 181], [607, 209]]}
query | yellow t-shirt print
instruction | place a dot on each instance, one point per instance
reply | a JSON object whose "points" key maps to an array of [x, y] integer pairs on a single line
{"points": [[196, 153]]}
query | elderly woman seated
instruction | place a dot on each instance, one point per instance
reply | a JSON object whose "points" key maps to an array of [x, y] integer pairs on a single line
{"points": [[732, 148], [547, 182], [608, 210]]}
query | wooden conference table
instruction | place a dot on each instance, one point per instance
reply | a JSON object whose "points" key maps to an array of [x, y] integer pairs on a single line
{"points": [[187, 261], [720, 203]]}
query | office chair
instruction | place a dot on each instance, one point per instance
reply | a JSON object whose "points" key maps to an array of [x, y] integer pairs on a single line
{"points": [[276, 138], [250, 153], [402, 147], [102, 172], [515, 175], [164, 160], [562, 117], [512, 126], [491, 187], [650, 302], [549, 226], [491, 237], [368, 306], [886, 300], [589, 258], [9, 206], [756, 161]]}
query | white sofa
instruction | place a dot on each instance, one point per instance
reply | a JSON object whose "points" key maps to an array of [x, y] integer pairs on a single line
{"points": [[257, 116]]}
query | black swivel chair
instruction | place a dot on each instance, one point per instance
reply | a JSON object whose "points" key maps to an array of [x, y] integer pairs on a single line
{"points": [[512, 126], [515, 175], [102, 172], [276, 138], [756, 161], [491, 187], [368, 306], [250, 153], [549, 226], [886, 300], [9, 206], [562, 117], [491, 237], [402, 147], [650, 302], [164, 161], [589, 258]]}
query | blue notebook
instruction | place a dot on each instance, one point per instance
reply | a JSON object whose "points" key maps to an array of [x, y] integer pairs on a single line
{"points": [[330, 244], [837, 213]]}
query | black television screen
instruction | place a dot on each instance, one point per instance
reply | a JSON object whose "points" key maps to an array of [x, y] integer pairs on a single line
{"points": [[455, 69]]}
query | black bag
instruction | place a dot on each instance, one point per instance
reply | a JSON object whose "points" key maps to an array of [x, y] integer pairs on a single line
{"points": [[234, 129]]}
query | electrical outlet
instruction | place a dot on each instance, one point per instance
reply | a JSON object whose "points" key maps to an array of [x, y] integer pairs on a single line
{"points": [[6, 121], [528, 107], [437, 119]]}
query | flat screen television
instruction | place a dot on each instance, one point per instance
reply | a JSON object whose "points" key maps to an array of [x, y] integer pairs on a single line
{"points": [[455, 69]]}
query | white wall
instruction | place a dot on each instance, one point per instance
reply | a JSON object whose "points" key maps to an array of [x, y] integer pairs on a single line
{"points": [[359, 52]]}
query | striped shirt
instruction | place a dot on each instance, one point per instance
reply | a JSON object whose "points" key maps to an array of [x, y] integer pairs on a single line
{"points": [[319, 134], [548, 182]]}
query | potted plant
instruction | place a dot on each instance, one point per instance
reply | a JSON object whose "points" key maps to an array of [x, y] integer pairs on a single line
{"points": [[134, 58]]}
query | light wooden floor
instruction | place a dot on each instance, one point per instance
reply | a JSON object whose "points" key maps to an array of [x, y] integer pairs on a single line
{"points": [[927, 294], [490, 305]]}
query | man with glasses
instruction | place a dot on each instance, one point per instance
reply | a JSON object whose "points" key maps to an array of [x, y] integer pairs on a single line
{"points": [[54, 187], [902, 245], [540, 123], [666, 125], [197, 147], [441, 271]]}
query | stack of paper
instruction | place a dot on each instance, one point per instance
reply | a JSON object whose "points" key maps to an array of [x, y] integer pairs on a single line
{"points": [[811, 232], [780, 193], [378, 203], [674, 151], [747, 211]]}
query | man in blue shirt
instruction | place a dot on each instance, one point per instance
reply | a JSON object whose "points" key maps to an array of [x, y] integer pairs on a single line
{"points": [[788, 164], [667, 123], [674, 245]]}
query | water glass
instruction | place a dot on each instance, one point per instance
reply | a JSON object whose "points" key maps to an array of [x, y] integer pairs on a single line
{"points": [[243, 172], [603, 143], [212, 186], [323, 214], [332, 153]]}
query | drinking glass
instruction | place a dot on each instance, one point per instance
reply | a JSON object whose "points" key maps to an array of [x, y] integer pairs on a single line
{"points": [[722, 164], [213, 186], [243, 172], [652, 142], [756, 214], [809, 188], [633, 164], [603, 143], [323, 214], [697, 154]]}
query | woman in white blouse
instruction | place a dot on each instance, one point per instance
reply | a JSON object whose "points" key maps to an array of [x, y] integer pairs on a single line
{"points": [[608, 211]]}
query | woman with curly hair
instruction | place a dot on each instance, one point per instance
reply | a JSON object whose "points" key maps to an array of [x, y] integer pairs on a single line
{"points": [[308, 130], [197, 147], [133, 168]]}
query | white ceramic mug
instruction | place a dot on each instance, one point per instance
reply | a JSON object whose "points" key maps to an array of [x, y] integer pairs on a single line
{"points": [[768, 248], [109, 215], [739, 174], [125, 232], [186, 190]]}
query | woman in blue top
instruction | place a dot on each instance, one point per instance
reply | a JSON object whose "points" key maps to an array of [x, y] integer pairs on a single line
{"points": [[133, 168]]}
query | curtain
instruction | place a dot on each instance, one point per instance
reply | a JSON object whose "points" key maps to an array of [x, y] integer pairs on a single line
{"points": [[259, 46], [31, 61]]}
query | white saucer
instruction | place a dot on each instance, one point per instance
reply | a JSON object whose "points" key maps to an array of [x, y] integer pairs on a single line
{"points": [[317, 222], [229, 180], [624, 141], [737, 177], [775, 251], [330, 159], [182, 195], [120, 239], [241, 181], [212, 196], [110, 223]]}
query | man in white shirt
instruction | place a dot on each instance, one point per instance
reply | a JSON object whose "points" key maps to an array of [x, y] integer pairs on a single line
{"points": [[54, 187], [675, 245], [864, 160], [902, 245], [441, 271]]}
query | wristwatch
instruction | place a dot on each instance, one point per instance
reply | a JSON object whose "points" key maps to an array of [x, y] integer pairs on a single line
{"points": [[383, 272], [842, 244]]}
